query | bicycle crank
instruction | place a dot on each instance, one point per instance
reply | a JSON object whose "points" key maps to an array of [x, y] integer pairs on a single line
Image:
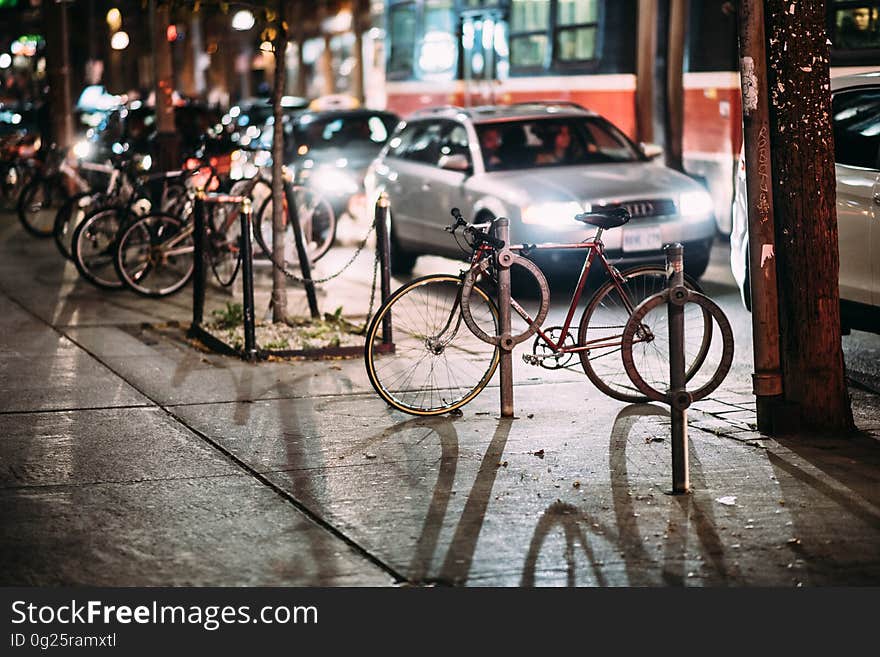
{"points": [[544, 355]]}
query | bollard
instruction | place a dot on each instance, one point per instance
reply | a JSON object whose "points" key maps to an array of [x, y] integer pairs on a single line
{"points": [[677, 395], [247, 273], [305, 265], [199, 268], [502, 226], [383, 245]]}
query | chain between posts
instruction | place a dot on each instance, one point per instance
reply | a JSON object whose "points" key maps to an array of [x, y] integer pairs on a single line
{"points": [[299, 279]]}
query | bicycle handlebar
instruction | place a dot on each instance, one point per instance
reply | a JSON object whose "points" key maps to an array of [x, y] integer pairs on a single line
{"points": [[478, 231]]}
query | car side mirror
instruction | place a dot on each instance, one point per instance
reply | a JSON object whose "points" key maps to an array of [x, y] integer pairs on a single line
{"points": [[651, 151], [457, 162]]}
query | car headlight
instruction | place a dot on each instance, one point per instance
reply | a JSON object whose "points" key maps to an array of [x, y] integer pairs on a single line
{"points": [[556, 213], [695, 204], [82, 149], [331, 180]]}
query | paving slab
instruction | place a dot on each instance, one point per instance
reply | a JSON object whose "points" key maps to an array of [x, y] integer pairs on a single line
{"points": [[209, 531], [102, 446], [42, 370]]}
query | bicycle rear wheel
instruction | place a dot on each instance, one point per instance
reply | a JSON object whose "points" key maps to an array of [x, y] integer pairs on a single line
{"points": [[316, 217], [39, 203], [93, 246], [437, 364], [602, 324], [155, 255]]}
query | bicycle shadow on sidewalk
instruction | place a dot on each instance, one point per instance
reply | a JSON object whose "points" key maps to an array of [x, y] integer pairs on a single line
{"points": [[579, 525], [455, 567]]}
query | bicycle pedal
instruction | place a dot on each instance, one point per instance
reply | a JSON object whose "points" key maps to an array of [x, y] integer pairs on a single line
{"points": [[531, 359]]}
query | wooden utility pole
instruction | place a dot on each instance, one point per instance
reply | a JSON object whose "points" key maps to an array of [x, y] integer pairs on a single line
{"points": [[804, 198], [279, 281], [678, 13], [767, 380], [58, 69], [168, 140], [646, 61]]}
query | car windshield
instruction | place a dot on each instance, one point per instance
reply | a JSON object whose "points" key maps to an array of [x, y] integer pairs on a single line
{"points": [[553, 142], [364, 130]]}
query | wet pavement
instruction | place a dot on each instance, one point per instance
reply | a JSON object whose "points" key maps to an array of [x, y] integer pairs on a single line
{"points": [[132, 458]]}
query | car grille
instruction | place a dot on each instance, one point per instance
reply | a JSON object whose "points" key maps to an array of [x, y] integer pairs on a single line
{"points": [[641, 209]]}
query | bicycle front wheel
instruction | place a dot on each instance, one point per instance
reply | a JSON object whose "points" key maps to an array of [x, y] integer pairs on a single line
{"points": [[38, 204], [437, 364], [155, 255], [601, 331]]}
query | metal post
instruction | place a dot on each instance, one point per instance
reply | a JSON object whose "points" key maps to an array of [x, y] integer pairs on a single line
{"points": [[247, 273], [502, 227], [383, 245], [305, 266], [678, 397], [767, 379], [199, 268]]}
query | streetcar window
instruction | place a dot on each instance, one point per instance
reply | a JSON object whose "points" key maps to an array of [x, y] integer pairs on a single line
{"points": [[437, 47], [402, 28], [856, 120], [529, 21], [576, 28]]}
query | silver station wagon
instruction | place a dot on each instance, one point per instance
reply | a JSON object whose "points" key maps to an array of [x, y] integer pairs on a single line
{"points": [[539, 165]]}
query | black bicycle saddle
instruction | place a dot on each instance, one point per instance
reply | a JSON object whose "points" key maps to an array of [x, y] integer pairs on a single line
{"points": [[605, 218]]}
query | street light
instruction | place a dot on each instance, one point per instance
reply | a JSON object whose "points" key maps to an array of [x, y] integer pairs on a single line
{"points": [[114, 19], [119, 40], [5, 60], [243, 20]]}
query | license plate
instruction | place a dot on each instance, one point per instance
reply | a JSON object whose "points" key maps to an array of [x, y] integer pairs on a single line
{"points": [[647, 238]]}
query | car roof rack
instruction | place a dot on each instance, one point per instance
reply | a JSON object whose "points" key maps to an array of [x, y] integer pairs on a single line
{"points": [[551, 103], [440, 109]]}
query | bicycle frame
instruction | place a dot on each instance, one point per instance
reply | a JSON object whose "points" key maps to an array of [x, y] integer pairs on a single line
{"points": [[596, 249]]}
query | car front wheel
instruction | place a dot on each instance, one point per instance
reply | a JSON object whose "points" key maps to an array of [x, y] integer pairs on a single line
{"points": [[695, 263]]}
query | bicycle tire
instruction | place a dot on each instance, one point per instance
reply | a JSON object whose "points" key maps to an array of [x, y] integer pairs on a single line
{"points": [[15, 178], [224, 243], [93, 246], [417, 376], [604, 320], [69, 217], [38, 203], [317, 218], [523, 270], [155, 255], [709, 308]]}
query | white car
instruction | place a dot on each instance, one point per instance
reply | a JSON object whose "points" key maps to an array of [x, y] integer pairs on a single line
{"points": [[856, 121], [539, 164]]}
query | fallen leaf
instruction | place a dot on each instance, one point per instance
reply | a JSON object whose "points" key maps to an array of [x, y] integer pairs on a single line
{"points": [[539, 453]]}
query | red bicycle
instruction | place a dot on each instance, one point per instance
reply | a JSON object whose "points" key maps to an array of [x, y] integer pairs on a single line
{"points": [[437, 367]]}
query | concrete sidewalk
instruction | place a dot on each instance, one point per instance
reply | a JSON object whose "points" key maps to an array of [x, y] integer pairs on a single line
{"points": [[132, 458]]}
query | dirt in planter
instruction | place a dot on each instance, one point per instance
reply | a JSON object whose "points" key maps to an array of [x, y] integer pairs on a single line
{"points": [[331, 331]]}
